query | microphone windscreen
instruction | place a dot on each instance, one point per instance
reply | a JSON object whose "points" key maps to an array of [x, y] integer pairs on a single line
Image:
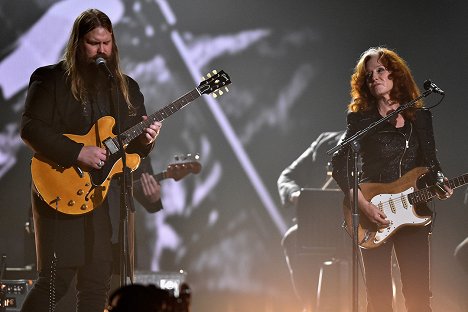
{"points": [[100, 60], [427, 85]]}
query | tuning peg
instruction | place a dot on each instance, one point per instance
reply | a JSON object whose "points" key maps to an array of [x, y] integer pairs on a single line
{"points": [[220, 92], [226, 89], [214, 71], [202, 78], [214, 95], [208, 75]]}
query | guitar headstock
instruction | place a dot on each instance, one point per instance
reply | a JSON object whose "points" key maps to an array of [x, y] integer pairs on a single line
{"points": [[183, 165], [214, 82]]}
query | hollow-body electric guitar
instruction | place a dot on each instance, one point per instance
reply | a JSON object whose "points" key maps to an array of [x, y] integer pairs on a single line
{"points": [[74, 190], [396, 200]]}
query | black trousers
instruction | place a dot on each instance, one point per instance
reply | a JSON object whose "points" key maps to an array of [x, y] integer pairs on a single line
{"points": [[92, 285], [411, 245]]}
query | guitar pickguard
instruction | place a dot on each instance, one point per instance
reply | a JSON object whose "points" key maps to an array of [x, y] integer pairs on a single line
{"points": [[399, 212]]}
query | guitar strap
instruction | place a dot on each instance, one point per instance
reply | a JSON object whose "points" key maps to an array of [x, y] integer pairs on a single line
{"points": [[100, 102]]}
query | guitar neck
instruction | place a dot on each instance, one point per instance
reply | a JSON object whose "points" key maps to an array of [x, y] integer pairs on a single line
{"points": [[137, 188], [158, 177], [132, 133], [427, 193]]}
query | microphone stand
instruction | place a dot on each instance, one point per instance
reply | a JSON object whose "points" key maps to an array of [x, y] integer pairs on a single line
{"points": [[126, 202], [354, 143]]}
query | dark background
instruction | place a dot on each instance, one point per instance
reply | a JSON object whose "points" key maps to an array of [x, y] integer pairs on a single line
{"points": [[290, 63]]}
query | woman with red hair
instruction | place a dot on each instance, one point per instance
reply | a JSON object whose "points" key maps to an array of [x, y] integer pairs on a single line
{"points": [[381, 82]]}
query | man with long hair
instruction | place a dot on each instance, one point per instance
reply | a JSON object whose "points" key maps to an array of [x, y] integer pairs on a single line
{"points": [[68, 98]]}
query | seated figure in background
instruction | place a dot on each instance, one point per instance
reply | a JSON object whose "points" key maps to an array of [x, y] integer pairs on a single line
{"points": [[310, 169]]}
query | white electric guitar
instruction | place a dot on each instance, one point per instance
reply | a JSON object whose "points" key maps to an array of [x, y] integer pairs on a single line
{"points": [[396, 200]]}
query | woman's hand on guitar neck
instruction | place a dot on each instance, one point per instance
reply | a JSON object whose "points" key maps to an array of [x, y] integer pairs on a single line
{"points": [[443, 190], [92, 157]]}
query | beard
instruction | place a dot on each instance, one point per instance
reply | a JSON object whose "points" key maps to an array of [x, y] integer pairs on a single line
{"points": [[88, 66], [93, 76]]}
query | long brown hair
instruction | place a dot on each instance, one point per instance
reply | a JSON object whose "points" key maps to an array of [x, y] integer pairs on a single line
{"points": [[84, 23], [404, 87]]}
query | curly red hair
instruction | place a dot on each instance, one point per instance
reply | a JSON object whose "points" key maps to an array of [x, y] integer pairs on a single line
{"points": [[404, 87]]}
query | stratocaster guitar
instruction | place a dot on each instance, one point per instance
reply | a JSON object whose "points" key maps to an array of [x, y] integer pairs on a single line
{"points": [[396, 200], [76, 191]]}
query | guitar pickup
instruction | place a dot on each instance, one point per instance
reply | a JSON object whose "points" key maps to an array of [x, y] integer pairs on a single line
{"points": [[111, 146]]}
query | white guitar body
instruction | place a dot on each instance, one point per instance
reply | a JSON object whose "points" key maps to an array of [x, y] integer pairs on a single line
{"points": [[398, 211], [397, 200]]}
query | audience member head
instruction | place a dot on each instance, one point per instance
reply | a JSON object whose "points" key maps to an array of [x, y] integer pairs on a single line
{"points": [[139, 298]]}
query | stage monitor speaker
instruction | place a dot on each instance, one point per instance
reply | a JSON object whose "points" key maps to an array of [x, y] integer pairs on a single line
{"points": [[14, 292], [320, 222], [165, 280]]}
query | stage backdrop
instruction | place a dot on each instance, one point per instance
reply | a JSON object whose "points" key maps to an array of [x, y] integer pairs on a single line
{"points": [[290, 63]]}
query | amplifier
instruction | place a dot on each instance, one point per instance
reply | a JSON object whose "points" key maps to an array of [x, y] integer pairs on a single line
{"points": [[164, 280], [319, 221], [15, 292]]}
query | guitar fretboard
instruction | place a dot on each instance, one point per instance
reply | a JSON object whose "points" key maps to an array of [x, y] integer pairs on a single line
{"points": [[428, 193], [132, 133], [158, 177]]}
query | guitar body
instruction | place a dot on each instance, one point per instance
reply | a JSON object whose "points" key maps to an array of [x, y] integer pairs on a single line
{"points": [[73, 192], [392, 199]]}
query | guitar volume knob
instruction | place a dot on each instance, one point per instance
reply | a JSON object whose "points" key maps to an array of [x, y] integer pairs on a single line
{"points": [[71, 203], [80, 192]]}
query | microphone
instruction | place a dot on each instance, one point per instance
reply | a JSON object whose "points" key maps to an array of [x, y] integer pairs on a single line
{"points": [[101, 64], [429, 85]]}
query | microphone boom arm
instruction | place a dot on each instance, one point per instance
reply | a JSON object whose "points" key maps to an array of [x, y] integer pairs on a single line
{"points": [[101, 63], [362, 132]]}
